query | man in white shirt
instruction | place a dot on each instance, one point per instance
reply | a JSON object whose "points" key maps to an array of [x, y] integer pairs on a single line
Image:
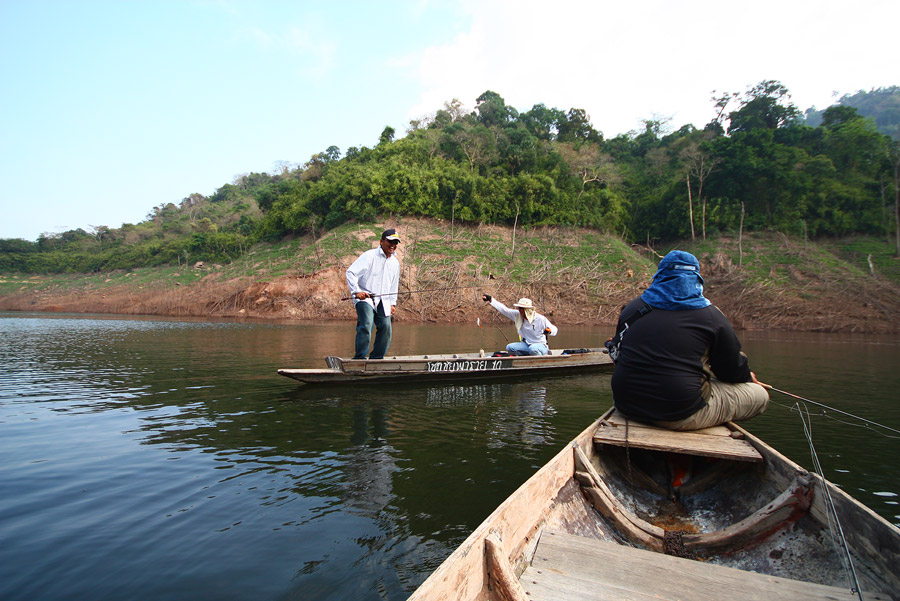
{"points": [[374, 279]]}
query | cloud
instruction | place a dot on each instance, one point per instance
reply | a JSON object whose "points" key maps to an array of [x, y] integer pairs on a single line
{"points": [[625, 62], [307, 45]]}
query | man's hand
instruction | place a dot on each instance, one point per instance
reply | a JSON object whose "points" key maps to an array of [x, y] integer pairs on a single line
{"points": [[361, 295], [755, 381], [486, 298]]}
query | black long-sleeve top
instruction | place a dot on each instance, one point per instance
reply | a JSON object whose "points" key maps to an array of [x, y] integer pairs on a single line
{"points": [[660, 371]]}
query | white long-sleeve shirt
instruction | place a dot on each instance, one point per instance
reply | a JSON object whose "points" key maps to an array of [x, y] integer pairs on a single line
{"points": [[530, 333], [376, 273]]}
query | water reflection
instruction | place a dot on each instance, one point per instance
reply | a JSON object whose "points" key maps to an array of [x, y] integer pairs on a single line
{"points": [[525, 422], [369, 464], [139, 447], [462, 395]]}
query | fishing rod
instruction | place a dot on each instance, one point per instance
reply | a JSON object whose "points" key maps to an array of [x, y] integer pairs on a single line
{"points": [[831, 511], [478, 321], [862, 419], [834, 521], [410, 292]]}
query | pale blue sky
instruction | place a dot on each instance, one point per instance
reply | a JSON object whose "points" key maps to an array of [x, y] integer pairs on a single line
{"points": [[109, 108]]}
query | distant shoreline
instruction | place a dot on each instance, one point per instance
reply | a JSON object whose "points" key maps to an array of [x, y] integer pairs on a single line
{"points": [[306, 299], [764, 281]]}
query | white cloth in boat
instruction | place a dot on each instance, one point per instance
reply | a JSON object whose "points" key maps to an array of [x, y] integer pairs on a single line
{"points": [[530, 332], [375, 273]]}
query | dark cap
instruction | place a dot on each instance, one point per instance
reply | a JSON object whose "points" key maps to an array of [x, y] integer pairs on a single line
{"points": [[390, 234]]}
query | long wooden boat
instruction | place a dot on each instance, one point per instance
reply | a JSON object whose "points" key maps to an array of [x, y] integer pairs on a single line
{"points": [[630, 511], [451, 367]]}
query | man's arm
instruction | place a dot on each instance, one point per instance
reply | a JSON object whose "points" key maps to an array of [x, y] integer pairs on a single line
{"points": [[726, 359], [357, 269], [395, 285], [550, 329], [504, 310]]}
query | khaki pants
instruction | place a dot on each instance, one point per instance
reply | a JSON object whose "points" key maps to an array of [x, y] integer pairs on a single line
{"points": [[727, 402]]}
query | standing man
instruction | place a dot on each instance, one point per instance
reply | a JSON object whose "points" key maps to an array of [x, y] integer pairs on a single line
{"points": [[533, 328], [680, 364], [374, 279]]}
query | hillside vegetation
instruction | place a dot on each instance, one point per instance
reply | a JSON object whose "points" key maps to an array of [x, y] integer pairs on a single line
{"points": [[798, 227], [757, 167], [577, 276], [881, 105]]}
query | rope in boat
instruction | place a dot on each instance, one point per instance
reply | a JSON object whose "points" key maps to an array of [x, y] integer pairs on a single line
{"points": [[831, 511], [865, 421]]}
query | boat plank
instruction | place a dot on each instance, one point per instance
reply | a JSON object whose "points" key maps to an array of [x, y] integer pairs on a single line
{"points": [[641, 436], [566, 567], [617, 419]]}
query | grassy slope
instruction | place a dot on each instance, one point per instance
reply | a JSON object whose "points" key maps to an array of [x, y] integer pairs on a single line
{"points": [[577, 275]]}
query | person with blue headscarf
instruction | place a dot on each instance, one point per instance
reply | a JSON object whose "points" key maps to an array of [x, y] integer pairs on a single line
{"points": [[679, 363]]}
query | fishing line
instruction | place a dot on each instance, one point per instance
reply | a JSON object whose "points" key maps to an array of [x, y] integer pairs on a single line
{"points": [[831, 512], [826, 407], [478, 321], [411, 292], [793, 408]]}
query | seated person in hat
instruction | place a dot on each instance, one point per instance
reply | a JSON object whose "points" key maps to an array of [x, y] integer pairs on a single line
{"points": [[680, 364], [533, 327]]}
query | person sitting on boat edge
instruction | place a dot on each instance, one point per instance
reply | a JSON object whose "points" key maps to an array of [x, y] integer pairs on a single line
{"points": [[680, 364], [533, 327], [374, 279]]}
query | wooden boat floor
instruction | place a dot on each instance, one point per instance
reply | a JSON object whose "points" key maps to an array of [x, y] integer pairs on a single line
{"points": [[710, 442], [569, 567]]}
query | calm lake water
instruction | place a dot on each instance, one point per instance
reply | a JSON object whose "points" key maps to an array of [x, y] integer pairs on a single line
{"points": [[165, 459]]}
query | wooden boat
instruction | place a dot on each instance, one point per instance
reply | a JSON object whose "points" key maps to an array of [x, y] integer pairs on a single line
{"points": [[613, 516], [451, 367]]}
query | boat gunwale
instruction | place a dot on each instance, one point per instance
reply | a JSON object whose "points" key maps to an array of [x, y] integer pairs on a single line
{"points": [[501, 522], [402, 368], [463, 574], [869, 530], [554, 354]]}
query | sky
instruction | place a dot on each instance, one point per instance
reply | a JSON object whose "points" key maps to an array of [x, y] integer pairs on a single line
{"points": [[110, 108]]}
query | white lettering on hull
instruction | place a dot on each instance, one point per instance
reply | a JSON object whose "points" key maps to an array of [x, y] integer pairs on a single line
{"points": [[466, 365]]}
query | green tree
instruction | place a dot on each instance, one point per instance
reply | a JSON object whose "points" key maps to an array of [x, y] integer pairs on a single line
{"points": [[387, 135], [542, 122], [765, 106], [492, 110], [576, 127]]}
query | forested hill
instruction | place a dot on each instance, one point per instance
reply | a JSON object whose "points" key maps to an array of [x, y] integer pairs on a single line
{"points": [[756, 167], [882, 106]]}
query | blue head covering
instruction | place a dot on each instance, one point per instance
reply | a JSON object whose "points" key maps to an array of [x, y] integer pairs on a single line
{"points": [[677, 285]]}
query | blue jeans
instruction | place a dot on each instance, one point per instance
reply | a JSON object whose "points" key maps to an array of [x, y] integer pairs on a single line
{"points": [[523, 348], [366, 317]]}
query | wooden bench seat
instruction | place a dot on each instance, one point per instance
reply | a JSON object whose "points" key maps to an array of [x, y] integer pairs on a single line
{"points": [[568, 567], [709, 442]]}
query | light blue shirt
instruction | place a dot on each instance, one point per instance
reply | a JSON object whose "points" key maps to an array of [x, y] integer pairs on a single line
{"points": [[376, 273]]}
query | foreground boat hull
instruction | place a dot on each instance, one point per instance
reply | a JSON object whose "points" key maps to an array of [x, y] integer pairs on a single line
{"points": [[462, 366], [767, 537]]}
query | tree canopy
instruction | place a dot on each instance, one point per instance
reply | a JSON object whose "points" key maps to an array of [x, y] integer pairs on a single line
{"points": [[756, 166]]}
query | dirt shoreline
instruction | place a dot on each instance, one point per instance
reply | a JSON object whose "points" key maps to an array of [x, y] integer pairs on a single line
{"points": [[816, 306]]}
